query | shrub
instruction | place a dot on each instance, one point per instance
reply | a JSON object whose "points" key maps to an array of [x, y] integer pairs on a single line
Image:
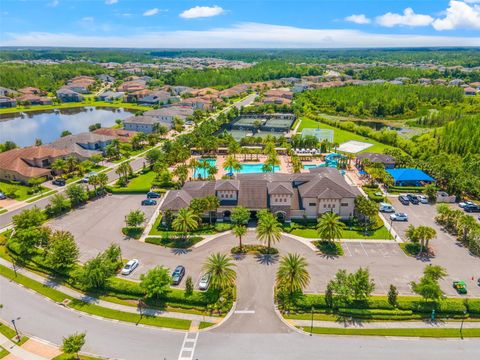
{"points": [[174, 242], [254, 249], [329, 248], [373, 313], [133, 232]]}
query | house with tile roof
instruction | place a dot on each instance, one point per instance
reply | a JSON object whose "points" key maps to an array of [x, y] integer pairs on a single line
{"points": [[288, 196], [83, 145], [28, 163]]}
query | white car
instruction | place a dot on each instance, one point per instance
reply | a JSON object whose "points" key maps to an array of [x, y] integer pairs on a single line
{"points": [[423, 199], [204, 281], [399, 217], [130, 266], [465, 203]]}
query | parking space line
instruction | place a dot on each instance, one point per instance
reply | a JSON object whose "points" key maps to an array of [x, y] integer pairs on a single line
{"points": [[364, 249], [348, 248]]}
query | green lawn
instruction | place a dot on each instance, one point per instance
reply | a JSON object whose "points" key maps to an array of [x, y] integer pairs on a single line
{"points": [[205, 324], [3, 352], [20, 192], [427, 332], [139, 184], [379, 234], [204, 229], [45, 194], [2, 211], [340, 136]]}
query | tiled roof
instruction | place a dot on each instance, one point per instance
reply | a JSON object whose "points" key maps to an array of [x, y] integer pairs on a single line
{"points": [[140, 120], [227, 185], [253, 194], [280, 188], [176, 200], [14, 160]]}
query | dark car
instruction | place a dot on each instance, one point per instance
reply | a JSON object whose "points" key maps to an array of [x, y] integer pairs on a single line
{"points": [[149, 202], [472, 208], [153, 195], [178, 274], [59, 182], [413, 199], [2, 196], [404, 199]]}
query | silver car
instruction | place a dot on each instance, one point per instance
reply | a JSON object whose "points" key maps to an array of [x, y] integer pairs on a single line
{"points": [[204, 282], [130, 266]]}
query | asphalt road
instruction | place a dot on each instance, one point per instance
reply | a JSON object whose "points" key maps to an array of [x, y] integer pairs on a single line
{"points": [[45, 319]]}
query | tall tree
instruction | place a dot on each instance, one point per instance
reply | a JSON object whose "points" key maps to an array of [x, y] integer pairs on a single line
{"points": [[185, 221], [221, 268], [239, 231], [268, 229], [330, 227], [292, 273]]}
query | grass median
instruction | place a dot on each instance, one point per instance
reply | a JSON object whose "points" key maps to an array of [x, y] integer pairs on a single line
{"points": [[414, 332], [92, 309]]}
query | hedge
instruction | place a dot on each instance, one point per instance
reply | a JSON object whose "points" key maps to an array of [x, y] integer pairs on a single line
{"points": [[375, 313]]}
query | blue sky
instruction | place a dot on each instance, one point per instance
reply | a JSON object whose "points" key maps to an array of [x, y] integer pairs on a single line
{"points": [[233, 23]]}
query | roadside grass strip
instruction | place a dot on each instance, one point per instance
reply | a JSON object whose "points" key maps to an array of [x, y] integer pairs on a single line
{"points": [[413, 332], [3, 352], [74, 357], [92, 309]]}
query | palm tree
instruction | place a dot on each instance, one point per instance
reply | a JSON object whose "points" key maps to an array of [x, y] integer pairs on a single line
{"points": [[194, 165], [123, 170], [330, 227], [272, 161], [71, 164], [268, 229], [59, 166], [239, 231], [102, 180], [234, 148], [292, 273], [212, 205], [181, 172], [231, 164], [466, 224], [93, 180], [185, 221], [425, 234], [220, 266]]}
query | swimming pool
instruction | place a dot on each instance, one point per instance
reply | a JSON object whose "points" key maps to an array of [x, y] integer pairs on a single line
{"points": [[312, 166], [202, 172], [252, 168]]}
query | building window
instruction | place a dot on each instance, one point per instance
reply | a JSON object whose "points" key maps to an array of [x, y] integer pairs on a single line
{"points": [[313, 204], [344, 204]]}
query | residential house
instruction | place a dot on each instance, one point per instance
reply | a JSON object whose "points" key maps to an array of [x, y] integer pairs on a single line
{"points": [[7, 92], [470, 91], [30, 91], [120, 134], [82, 145], [197, 103], [159, 97], [23, 164], [167, 114], [133, 85], [67, 95], [475, 85], [32, 99], [179, 90], [145, 124], [6, 102], [288, 196], [110, 96], [286, 94]]}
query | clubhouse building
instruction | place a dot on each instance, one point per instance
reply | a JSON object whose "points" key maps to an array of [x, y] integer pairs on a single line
{"points": [[288, 196]]}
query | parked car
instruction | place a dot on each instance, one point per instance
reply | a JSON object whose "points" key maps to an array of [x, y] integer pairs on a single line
{"points": [[472, 208], [204, 282], [423, 199], [386, 207], [460, 286], [465, 203], [149, 202], [404, 199], [2, 196], [87, 177], [153, 195], [399, 217], [178, 275], [59, 182], [130, 266], [413, 199]]}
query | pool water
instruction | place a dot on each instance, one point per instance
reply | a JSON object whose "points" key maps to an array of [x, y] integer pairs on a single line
{"points": [[200, 172], [252, 168]]}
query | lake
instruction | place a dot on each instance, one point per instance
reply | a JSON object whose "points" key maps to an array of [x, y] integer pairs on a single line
{"points": [[24, 128]]}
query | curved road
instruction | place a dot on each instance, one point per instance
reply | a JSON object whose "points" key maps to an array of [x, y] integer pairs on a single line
{"points": [[45, 319]]}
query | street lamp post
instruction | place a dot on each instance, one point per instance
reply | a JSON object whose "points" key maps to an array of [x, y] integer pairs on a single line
{"points": [[461, 325], [14, 266], [311, 323], [16, 330]]}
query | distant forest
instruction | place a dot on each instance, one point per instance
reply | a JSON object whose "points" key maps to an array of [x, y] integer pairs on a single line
{"points": [[468, 57]]}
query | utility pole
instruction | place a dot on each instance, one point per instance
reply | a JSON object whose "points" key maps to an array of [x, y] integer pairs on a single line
{"points": [[311, 323], [16, 330]]}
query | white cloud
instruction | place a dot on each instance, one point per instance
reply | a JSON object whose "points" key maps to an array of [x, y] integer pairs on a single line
{"points": [[409, 18], [111, 2], [459, 15], [202, 11], [53, 3], [151, 12], [358, 19], [244, 35]]}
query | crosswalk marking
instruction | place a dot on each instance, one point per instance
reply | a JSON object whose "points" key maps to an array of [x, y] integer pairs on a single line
{"points": [[244, 311], [188, 346]]}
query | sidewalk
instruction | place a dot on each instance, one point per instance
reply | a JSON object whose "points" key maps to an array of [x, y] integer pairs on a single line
{"points": [[18, 352], [355, 324], [106, 304]]}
